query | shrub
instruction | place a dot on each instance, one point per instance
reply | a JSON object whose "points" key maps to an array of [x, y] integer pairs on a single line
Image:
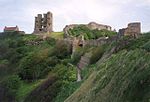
{"points": [[104, 32], [58, 78], [61, 50], [90, 34], [65, 73], [12, 84], [35, 65], [96, 54], [146, 46], [78, 53], [51, 41]]}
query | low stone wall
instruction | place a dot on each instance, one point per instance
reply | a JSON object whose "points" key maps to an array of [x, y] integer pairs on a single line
{"points": [[95, 42], [100, 41]]}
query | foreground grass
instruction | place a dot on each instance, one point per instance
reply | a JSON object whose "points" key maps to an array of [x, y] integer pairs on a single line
{"points": [[26, 88], [124, 77]]}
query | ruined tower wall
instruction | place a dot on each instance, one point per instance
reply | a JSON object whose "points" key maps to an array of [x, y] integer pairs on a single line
{"points": [[43, 24], [133, 29], [49, 20]]}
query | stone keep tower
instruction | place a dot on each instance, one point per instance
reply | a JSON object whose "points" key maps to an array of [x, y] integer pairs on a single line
{"points": [[43, 24]]}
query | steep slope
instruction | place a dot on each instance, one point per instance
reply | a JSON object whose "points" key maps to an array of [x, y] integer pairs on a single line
{"points": [[122, 77]]}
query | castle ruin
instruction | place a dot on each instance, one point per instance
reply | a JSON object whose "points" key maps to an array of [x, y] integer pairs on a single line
{"points": [[133, 29], [43, 24], [91, 26]]}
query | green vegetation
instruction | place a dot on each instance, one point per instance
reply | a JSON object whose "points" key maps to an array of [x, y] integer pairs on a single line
{"points": [[57, 35], [90, 34], [66, 91], [12, 84], [129, 76], [37, 70], [58, 78], [25, 88], [122, 77], [97, 53], [31, 59]]}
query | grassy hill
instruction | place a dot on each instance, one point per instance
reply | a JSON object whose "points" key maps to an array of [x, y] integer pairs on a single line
{"points": [[37, 70], [122, 77]]}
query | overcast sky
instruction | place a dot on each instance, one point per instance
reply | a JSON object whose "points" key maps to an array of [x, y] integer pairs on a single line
{"points": [[116, 13]]}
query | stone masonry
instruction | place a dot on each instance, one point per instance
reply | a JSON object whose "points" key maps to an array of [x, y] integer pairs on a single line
{"points": [[84, 62], [43, 24], [94, 25], [133, 29]]}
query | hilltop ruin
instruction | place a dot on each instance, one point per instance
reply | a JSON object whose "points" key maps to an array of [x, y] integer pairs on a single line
{"points": [[43, 24], [133, 29], [91, 26]]}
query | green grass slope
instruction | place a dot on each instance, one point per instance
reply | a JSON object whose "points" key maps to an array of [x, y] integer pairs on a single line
{"points": [[123, 77], [37, 70], [57, 35]]}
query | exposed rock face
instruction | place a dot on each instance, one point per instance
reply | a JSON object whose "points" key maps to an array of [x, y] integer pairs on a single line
{"points": [[43, 24], [91, 25], [133, 29]]}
